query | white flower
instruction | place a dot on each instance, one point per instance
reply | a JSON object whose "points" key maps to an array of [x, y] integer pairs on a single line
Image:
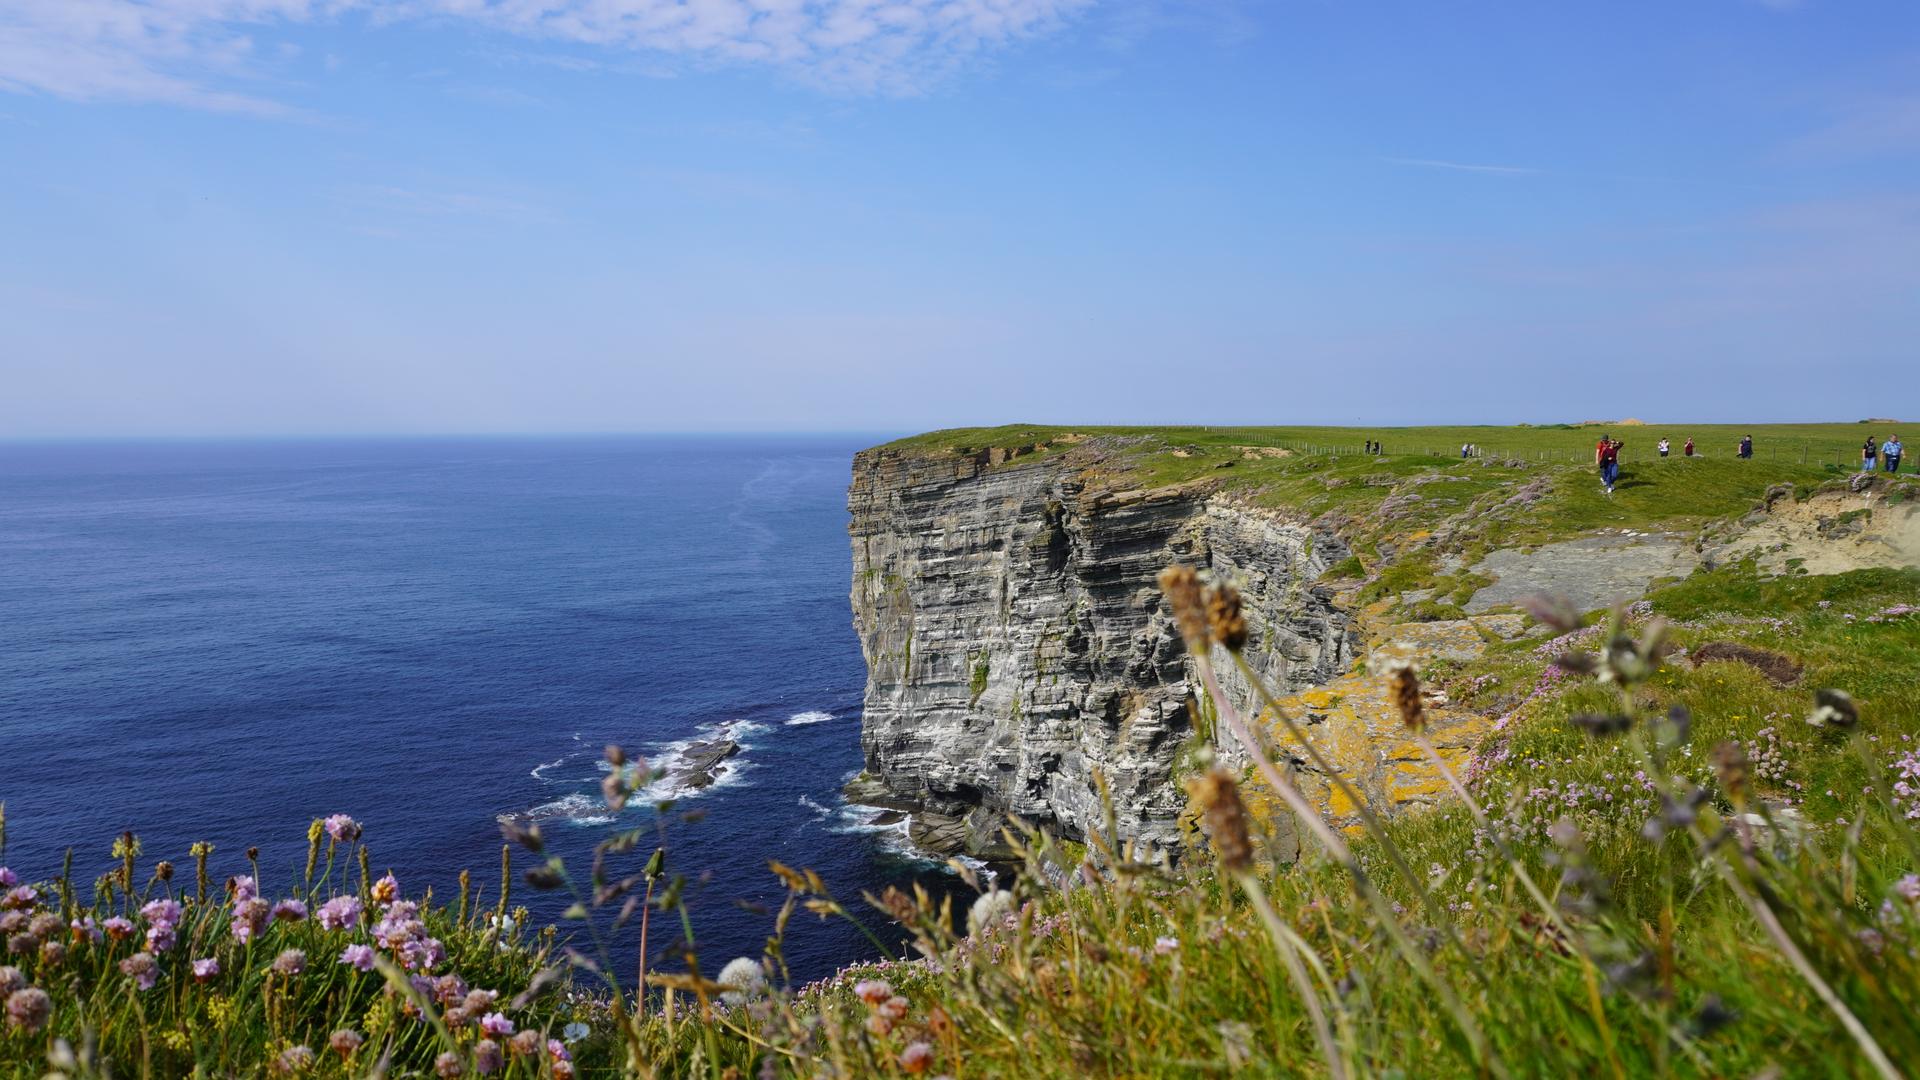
{"points": [[744, 980], [991, 909], [1164, 945], [574, 1032]]}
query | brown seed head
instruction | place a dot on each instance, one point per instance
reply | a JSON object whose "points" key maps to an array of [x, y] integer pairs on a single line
{"points": [[1184, 594], [1224, 618], [1404, 683], [1730, 765], [1225, 817], [163, 870]]}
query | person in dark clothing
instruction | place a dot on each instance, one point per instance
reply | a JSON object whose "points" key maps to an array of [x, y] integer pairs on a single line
{"points": [[1688, 449], [1746, 446], [1869, 455]]}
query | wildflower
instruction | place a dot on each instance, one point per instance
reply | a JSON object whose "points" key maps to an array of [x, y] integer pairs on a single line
{"points": [[1226, 819], [292, 1060], [1225, 620], [162, 911], [573, 1032], [344, 1042], [990, 909], [28, 1009], [249, 918], [340, 913], [342, 828], [242, 888], [386, 890], [142, 968], [422, 954], [23, 896], [1164, 945], [557, 1050], [448, 989], [163, 870], [1184, 594], [524, 1043], [894, 1008], [13, 921], [563, 1070], [290, 962], [447, 1065], [496, 1024], [160, 938], [205, 968], [52, 953], [358, 957], [873, 991], [879, 1025], [289, 911], [916, 1058], [487, 1058], [85, 929], [8, 879], [744, 979], [1834, 709]]}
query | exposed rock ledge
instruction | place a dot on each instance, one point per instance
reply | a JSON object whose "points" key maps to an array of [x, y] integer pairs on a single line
{"points": [[1017, 643]]}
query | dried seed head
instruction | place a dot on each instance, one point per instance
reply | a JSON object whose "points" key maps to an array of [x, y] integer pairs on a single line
{"points": [[163, 870], [1225, 817], [1404, 682], [1730, 764], [1225, 621], [1184, 594]]}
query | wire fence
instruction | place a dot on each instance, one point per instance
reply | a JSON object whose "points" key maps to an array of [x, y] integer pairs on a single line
{"points": [[1804, 454]]}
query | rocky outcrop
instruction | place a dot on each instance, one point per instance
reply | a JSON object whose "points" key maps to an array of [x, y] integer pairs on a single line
{"points": [[1017, 643]]}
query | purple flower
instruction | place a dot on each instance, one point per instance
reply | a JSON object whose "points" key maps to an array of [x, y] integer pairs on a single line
{"points": [[289, 911], [119, 929], [160, 937], [11, 979], [343, 828], [28, 1009], [162, 912], [495, 1024], [293, 1059], [142, 968], [8, 879], [243, 889], [358, 957], [290, 962], [423, 954], [249, 918], [486, 1057], [22, 897], [205, 969], [340, 913]]}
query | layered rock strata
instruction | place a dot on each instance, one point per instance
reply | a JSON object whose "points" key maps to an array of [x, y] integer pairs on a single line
{"points": [[1017, 644]]}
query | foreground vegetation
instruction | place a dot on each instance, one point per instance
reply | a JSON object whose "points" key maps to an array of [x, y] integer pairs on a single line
{"points": [[1689, 849]]}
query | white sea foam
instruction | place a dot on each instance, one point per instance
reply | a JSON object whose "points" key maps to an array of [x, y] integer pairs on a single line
{"points": [[812, 716], [576, 808], [820, 813]]}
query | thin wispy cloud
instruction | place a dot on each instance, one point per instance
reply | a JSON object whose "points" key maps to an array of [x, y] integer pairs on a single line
{"points": [[1464, 166], [206, 54]]}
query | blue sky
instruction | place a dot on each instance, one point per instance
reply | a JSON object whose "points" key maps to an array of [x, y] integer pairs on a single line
{"points": [[383, 216]]}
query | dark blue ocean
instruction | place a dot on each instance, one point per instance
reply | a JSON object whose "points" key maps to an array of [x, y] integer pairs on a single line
{"points": [[224, 640]]}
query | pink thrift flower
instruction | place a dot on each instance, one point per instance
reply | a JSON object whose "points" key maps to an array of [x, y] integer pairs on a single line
{"points": [[142, 968], [386, 890], [358, 957], [118, 929], [487, 1058], [165, 912], [873, 991], [289, 911], [28, 1009], [205, 968], [8, 879], [243, 889], [160, 937], [22, 897], [342, 828], [447, 1066], [290, 962], [558, 1051], [496, 1024], [916, 1058], [294, 1059], [249, 918], [340, 913]]}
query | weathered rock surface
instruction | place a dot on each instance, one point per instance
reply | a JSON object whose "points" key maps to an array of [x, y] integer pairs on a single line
{"points": [[1017, 642], [1592, 571]]}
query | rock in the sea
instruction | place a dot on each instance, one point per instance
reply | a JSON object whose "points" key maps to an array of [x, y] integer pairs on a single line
{"points": [[699, 763], [1017, 642]]}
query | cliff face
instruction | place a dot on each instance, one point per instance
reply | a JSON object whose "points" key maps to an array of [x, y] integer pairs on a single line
{"points": [[1016, 640]]}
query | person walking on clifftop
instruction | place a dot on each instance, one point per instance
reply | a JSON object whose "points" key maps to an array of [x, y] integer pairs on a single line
{"points": [[1665, 447], [1609, 453], [1688, 449], [1890, 452], [1746, 446], [1869, 455]]}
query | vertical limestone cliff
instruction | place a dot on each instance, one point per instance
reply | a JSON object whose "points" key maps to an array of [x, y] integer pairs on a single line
{"points": [[1017, 643]]}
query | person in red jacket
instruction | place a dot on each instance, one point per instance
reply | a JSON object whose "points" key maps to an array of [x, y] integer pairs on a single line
{"points": [[1609, 453], [1688, 449]]}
